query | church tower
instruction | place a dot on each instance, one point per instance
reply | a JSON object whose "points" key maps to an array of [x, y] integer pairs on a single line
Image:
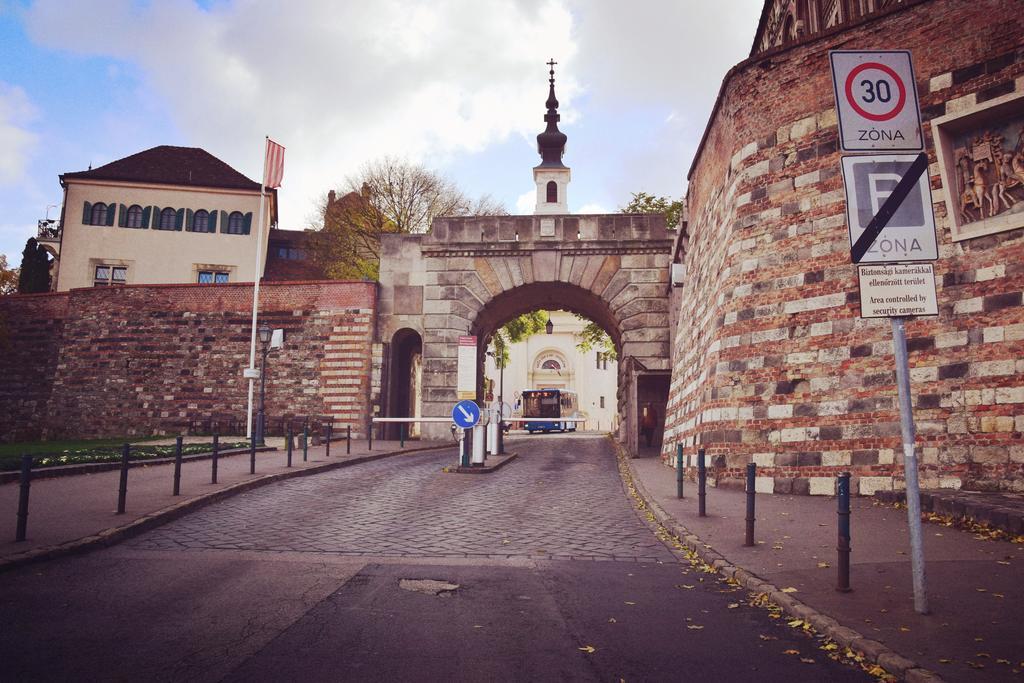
{"points": [[551, 176]]}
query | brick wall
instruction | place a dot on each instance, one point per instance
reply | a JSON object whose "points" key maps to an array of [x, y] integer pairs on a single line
{"points": [[772, 363], [152, 359]]}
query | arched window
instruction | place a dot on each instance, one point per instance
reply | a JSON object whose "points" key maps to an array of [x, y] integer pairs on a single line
{"points": [[134, 217], [552, 192], [236, 223], [167, 219], [551, 364], [99, 214], [201, 221]]}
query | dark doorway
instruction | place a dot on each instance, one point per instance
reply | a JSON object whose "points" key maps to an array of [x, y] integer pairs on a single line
{"points": [[405, 381]]}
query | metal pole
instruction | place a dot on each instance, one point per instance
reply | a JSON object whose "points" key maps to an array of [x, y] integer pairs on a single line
{"points": [[177, 466], [348, 439], [680, 472], [899, 342], [330, 428], [501, 408], [216, 454], [369, 435], [305, 440], [289, 444], [25, 481], [467, 444], [401, 435], [122, 489], [702, 480], [252, 456], [751, 491], [843, 540], [261, 424]]}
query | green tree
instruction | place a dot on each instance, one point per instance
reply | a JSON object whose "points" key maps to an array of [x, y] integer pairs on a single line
{"points": [[34, 274], [8, 277], [647, 203], [594, 338], [386, 196]]}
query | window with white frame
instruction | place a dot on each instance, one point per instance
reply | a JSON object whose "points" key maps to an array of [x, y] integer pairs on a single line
{"points": [[212, 277], [106, 275]]}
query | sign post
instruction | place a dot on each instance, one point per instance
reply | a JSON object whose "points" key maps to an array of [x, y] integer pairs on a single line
{"points": [[465, 415], [466, 380], [891, 223]]}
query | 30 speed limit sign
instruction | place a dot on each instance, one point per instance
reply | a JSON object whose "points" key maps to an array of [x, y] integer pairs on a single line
{"points": [[876, 99]]}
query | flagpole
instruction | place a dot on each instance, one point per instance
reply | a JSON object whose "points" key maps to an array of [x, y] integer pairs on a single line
{"points": [[256, 289]]}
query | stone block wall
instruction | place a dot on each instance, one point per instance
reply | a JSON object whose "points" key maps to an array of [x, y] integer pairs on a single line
{"points": [[141, 360], [771, 362]]}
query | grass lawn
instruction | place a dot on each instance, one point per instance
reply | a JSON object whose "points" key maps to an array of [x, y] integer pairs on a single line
{"points": [[53, 453]]}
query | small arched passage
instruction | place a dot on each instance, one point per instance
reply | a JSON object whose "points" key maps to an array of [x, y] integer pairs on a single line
{"points": [[404, 381]]}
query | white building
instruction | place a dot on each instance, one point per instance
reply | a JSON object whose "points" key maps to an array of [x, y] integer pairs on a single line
{"points": [[552, 361]]}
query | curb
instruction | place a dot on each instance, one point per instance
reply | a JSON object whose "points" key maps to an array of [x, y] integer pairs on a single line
{"points": [[963, 506], [872, 650], [486, 469], [114, 535]]}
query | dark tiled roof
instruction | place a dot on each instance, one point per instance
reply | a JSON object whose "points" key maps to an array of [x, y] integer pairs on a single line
{"points": [[167, 165]]}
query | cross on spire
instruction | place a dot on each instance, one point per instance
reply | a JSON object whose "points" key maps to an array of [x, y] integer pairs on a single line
{"points": [[552, 64]]}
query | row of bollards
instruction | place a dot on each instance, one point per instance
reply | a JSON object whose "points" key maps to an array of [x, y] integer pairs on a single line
{"points": [[842, 512], [25, 477]]}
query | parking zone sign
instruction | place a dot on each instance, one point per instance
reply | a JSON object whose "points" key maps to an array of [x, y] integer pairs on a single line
{"points": [[909, 233], [876, 101]]}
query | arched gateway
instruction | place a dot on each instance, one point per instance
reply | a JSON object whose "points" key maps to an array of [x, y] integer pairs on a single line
{"points": [[468, 276]]}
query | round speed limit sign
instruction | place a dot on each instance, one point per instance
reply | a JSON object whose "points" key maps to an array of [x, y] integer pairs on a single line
{"points": [[876, 101]]}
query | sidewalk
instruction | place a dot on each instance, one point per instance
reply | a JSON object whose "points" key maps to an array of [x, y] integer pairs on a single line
{"points": [[975, 586], [77, 512]]}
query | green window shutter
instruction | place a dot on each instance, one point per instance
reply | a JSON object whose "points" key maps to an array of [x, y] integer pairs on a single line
{"points": [[86, 213], [145, 216], [247, 223], [122, 217], [223, 221], [179, 218], [211, 225], [111, 210], [189, 219], [156, 217]]}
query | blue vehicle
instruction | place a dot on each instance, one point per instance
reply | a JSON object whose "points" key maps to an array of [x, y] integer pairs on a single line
{"points": [[549, 403]]}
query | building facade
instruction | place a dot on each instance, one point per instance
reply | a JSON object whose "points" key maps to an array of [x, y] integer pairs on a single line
{"points": [[164, 215], [772, 362]]}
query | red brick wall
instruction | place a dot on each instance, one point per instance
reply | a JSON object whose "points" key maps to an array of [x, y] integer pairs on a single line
{"points": [[152, 359], [772, 363]]}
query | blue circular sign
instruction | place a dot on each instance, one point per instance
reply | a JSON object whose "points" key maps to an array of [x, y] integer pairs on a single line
{"points": [[466, 414]]}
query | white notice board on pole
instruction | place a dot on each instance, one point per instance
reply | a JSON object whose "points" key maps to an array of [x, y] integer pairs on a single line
{"points": [[466, 382], [899, 290], [876, 101]]}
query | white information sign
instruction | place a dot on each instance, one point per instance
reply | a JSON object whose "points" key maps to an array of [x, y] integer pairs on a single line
{"points": [[466, 381], [876, 101], [909, 235], [897, 290]]}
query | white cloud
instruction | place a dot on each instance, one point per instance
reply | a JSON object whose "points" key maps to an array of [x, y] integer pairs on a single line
{"points": [[16, 142], [337, 83], [593, 208], [526, 202]]}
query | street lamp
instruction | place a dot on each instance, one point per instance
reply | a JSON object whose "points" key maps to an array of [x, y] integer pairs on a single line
{"points": [[264, 333], [549, 326]]}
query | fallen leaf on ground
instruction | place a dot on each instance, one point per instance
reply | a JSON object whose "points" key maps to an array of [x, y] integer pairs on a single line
{"points": [[589, 649], [694, 627], [807, 660], [764, 637], [628, 602], [791, 652], [790, 590], [904, 629], [823, 565], [611, 620], [732, 605], [945, 661]]}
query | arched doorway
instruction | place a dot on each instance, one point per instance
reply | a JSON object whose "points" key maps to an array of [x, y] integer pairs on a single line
{"points": [[405, 381]]}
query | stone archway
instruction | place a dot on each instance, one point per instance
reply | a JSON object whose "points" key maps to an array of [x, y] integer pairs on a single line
{"points": [[470, 275]]}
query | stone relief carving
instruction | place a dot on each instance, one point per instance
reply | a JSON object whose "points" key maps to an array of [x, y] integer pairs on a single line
{"points": [[990, 171]]}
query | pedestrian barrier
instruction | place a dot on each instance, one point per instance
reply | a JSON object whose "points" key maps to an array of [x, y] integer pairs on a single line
{"points": [[680, 470], [702, 482], [751, 493], [122, 489], [25, 482], [843, 528], [213, 458], [289, 445], [177, 467]]}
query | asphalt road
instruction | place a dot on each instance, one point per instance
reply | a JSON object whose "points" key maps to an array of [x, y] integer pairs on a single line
{"points": [[394, 570]]}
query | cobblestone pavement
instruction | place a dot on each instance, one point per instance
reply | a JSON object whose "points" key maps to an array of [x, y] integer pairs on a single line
{"points": [[561, 499]]}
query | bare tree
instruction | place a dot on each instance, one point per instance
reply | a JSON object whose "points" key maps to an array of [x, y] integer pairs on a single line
{"points": [[388, 195]]}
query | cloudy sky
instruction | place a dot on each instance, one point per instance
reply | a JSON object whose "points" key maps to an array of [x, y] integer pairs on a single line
{"points": [[456, 85]]}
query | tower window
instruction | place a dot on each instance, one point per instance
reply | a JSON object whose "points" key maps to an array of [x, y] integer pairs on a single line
{"points": [[552, 192]]}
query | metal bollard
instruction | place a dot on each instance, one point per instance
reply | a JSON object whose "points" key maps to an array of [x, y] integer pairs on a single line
{"points": [[215, 456], [25, 482], [289, 445], [252, 456], [467, 447], [401, 435], [751, 491], [702, 484], [330, 428], [177, 466], [369, 435], [680, 472], [843, 544], [122, 489], [305, 440], [348, 439]]}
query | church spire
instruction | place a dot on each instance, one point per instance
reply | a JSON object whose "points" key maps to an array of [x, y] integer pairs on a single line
{"points": [[551, 143]]}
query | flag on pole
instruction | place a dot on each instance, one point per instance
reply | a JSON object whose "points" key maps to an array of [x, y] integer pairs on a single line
{"points": [[273, 165]]}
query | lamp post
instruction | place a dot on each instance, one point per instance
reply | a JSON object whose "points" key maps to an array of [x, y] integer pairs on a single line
{"points": [[549, 327], [500, 362], [263, 332]]}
